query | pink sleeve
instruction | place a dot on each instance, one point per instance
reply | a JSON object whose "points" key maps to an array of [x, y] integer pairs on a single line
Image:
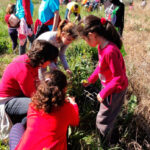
{"points": [[26, 6], [113, 59], [94, 77], [74, 115]]}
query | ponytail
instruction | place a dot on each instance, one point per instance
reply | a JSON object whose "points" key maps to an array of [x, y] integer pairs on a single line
{"points": [[60, 29], [113, 35], [103, 28]]}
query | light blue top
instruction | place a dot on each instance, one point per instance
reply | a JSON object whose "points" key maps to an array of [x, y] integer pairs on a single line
{"points": [[20, 12], [47, 9]]}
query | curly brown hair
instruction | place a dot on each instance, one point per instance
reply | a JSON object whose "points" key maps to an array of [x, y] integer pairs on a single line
{"points": [[42, 51], [51, 91]]}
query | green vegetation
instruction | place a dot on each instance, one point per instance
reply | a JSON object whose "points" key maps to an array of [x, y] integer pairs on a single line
{"points": [[82, 60]]}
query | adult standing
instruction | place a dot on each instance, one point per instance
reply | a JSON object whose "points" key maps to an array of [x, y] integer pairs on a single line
{"points": [[19, 83], [49, 12], [115, 14], [24, 9]]}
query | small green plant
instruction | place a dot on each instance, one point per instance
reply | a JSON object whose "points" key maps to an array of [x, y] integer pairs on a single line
{"points": [[3, 145], [132, 104], [3, 46]]}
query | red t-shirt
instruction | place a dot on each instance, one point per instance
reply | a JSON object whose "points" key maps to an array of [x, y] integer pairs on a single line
{"points": [[48, 130]]}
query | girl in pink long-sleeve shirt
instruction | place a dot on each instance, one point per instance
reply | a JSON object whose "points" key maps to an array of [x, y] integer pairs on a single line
{"points": [[110, 70]]}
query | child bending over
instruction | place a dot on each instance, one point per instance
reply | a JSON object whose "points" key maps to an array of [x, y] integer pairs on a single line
{"points": [[65, 35]]}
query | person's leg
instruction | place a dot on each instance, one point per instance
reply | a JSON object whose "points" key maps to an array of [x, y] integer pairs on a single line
{"points": [[22, 48], [66, 14], [15, 135], [14, 36], [31, 39], [17, 108], [109, 109], [79, 17]]}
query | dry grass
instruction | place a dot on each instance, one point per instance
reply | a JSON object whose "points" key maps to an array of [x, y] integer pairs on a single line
{"points": [[137, 45]]}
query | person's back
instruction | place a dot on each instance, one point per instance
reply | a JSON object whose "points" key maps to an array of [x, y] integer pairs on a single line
{"points": [[12, 80], [48, 10], [71, 5], [49, 129], [49, 115]]}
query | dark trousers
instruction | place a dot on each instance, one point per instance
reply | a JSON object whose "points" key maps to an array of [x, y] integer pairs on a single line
{"points": [[108, 111], [17, 108], [13, 33], [22, 49]]}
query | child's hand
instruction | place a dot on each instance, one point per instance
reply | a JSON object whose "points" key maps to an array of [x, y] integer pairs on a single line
{"points": [[69, 72], [71, 100], [99, 98], [85, 83]]}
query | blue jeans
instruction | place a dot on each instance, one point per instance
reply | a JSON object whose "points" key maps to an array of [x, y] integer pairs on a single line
{"points": [[17, 108], [66, 14]]}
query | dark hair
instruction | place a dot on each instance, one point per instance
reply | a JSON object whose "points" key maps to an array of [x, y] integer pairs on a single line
{"points": [[10, 8], [50, 93], [42, 51], [67, 27], [76, 6], [92, 24]]}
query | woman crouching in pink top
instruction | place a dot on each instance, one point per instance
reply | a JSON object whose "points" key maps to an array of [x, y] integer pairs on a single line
{"points": [[19, 82]]}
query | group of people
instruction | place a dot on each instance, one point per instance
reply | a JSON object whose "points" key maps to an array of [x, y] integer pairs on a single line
{"points": [[23, 11], [34, 101], [49, 16]]}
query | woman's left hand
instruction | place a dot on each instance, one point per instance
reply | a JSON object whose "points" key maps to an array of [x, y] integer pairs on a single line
{"points": [[99, 98]]}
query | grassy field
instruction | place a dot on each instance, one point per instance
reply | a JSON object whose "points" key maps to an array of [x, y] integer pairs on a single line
{"points": [[133, 123]]}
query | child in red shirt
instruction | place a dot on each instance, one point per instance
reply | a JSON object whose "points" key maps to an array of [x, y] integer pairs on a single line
{"points": [[11, 30], [49, 115], [110, 69]]}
